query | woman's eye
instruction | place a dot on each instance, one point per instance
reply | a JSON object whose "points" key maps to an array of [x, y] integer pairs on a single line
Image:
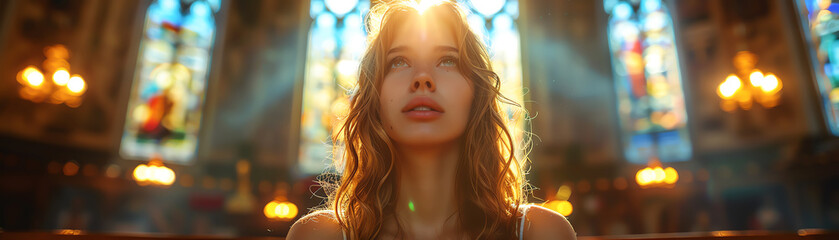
{"points": [[398, 62], [448, 62]]}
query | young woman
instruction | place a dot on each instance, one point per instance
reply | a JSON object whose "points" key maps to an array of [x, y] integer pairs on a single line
{"points": [[427, 153]]}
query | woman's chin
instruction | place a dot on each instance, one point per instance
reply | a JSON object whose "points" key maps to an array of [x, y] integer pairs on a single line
{"points": [[426, 140]]}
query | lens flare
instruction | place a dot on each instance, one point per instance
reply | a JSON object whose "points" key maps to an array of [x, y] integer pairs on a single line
{"points": [[424, 5]]}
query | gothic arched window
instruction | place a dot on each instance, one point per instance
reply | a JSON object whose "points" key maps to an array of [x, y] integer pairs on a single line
{"points": [[337, 40], [648, 82], [170, 81]]}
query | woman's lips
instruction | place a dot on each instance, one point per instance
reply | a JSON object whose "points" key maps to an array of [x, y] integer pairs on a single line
{"points": [[431, 110], [422, 101], [423, 115]]}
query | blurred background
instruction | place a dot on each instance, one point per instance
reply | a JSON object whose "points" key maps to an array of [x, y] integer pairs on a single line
{"points": [[213, 117]]}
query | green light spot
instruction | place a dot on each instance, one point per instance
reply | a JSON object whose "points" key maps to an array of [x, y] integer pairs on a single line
{"points": [[411, 205]]}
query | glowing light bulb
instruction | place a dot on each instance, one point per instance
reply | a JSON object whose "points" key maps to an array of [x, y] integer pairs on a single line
{"points": [[771, 84], [756, 78], [151, 173], [671, 176], [639, 177], [649, 176], [659, 175], [61, 77], [565, 208], [141, 173], [290, 210], [33, 76], [269, 209], [76, 85], [280, 210], [730, 86], [167, 176]]}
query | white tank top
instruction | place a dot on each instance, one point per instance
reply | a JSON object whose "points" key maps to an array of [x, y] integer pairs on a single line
{"points": [[521, 223]]}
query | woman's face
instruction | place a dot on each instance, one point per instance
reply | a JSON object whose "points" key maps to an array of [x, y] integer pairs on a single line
{"points": [[425, 101]]}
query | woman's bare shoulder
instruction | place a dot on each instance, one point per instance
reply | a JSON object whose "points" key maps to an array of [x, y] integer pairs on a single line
{"points": [[543, 223], [316, 225]]}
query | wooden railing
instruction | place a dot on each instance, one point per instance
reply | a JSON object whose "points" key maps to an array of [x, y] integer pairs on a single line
{"points": [[807, 234]]}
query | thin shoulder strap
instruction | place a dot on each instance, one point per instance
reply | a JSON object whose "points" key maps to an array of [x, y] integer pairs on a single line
{"points": [[521, 225]]}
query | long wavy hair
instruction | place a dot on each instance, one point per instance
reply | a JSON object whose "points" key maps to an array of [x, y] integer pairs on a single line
{"points": [[490, 185]]}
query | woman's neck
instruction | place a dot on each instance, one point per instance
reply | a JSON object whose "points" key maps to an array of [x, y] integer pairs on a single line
{"points": [[426, 203]]}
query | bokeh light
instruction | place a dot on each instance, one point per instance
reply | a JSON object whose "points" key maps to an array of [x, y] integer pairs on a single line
{"points": [[61, 77], [730, 86], [76, 85], [771, 84], [63, 88], [155, 173], [560, 206], [756, 78], [33, 77], [671, 176], [280, 209], [564, 192], [656, 177], [71, 168]]}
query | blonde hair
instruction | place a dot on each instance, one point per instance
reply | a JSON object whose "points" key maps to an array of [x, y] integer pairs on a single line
{"points": [[489, 184]]}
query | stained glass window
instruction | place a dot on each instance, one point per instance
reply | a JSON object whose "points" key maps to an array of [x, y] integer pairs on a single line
{"points": [[337, 40], [167, 94], [336, 43], [651, 102], [496, 21], [821, 28]]}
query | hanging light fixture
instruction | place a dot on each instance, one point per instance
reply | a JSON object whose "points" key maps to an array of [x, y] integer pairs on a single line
{"points": [[60, 88], [764, 89], [280, 209], [154, 173], [655, 175]]}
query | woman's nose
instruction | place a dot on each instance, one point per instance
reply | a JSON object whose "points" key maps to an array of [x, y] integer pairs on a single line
{"points": [[423, 80]]}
